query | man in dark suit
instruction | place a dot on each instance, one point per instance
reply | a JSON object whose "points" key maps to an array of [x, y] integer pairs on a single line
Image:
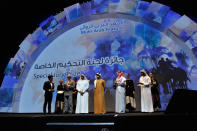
{"points": [[49, 89]]}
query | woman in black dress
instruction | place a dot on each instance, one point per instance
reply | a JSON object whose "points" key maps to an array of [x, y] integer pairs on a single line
{"points": [[60, 98], [155, 93]]}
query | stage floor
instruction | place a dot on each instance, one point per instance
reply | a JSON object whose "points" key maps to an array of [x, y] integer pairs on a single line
{"points": [[87, 122], [81, 115]]}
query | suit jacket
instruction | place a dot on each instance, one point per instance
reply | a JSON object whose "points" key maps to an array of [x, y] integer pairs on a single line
{"points": [[47, 86]]}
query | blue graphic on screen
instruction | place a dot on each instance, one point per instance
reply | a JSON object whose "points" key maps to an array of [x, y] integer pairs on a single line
{"points": [[115, 1], [38, 37], [74, 12], [156, 12], [184, 27], [86, 8], [151, 37], [6, 95], [170, 18], [142, 7], [192, 43], [49, 25], [99, 6]]}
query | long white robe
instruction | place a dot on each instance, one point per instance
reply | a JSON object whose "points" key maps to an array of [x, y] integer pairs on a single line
{"points": [[120, 96], [146, 96], [82, 100]]}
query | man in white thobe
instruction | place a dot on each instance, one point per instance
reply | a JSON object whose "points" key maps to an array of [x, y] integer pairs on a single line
{"points": [[146, 96], [82, 95], [120, 92]]}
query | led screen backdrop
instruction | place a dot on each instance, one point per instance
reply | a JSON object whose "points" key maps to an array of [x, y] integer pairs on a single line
{"points": [[102, 43]]}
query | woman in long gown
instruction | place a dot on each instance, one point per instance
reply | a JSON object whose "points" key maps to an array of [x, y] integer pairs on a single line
{"points": [[155, 93]]}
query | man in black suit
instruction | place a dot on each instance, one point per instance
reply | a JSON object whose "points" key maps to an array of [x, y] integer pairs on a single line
{"points": [[49, 89]]}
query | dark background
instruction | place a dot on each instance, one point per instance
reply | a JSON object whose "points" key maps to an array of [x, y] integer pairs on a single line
{"points": [[18, 19]]}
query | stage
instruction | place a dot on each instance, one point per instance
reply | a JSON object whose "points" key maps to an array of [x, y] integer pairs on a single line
{"points": [[87, 122]]}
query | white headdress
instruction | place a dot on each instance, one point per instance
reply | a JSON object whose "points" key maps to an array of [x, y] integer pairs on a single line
{"points": [[83, 76], [97, 74], [144, 71]]}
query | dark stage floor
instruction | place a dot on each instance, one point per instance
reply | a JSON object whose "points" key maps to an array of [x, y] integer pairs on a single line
{"points": [[91, 122]]}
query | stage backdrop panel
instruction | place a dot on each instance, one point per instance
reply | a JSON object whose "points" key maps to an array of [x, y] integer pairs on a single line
{"points": [[106, 46]]}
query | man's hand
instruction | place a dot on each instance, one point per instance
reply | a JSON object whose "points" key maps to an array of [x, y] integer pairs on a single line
{"points": [[74, 92], [81, 92], [51, 90]]}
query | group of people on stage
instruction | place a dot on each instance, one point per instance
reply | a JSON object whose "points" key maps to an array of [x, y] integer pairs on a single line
{"points": [[124, 98]]}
